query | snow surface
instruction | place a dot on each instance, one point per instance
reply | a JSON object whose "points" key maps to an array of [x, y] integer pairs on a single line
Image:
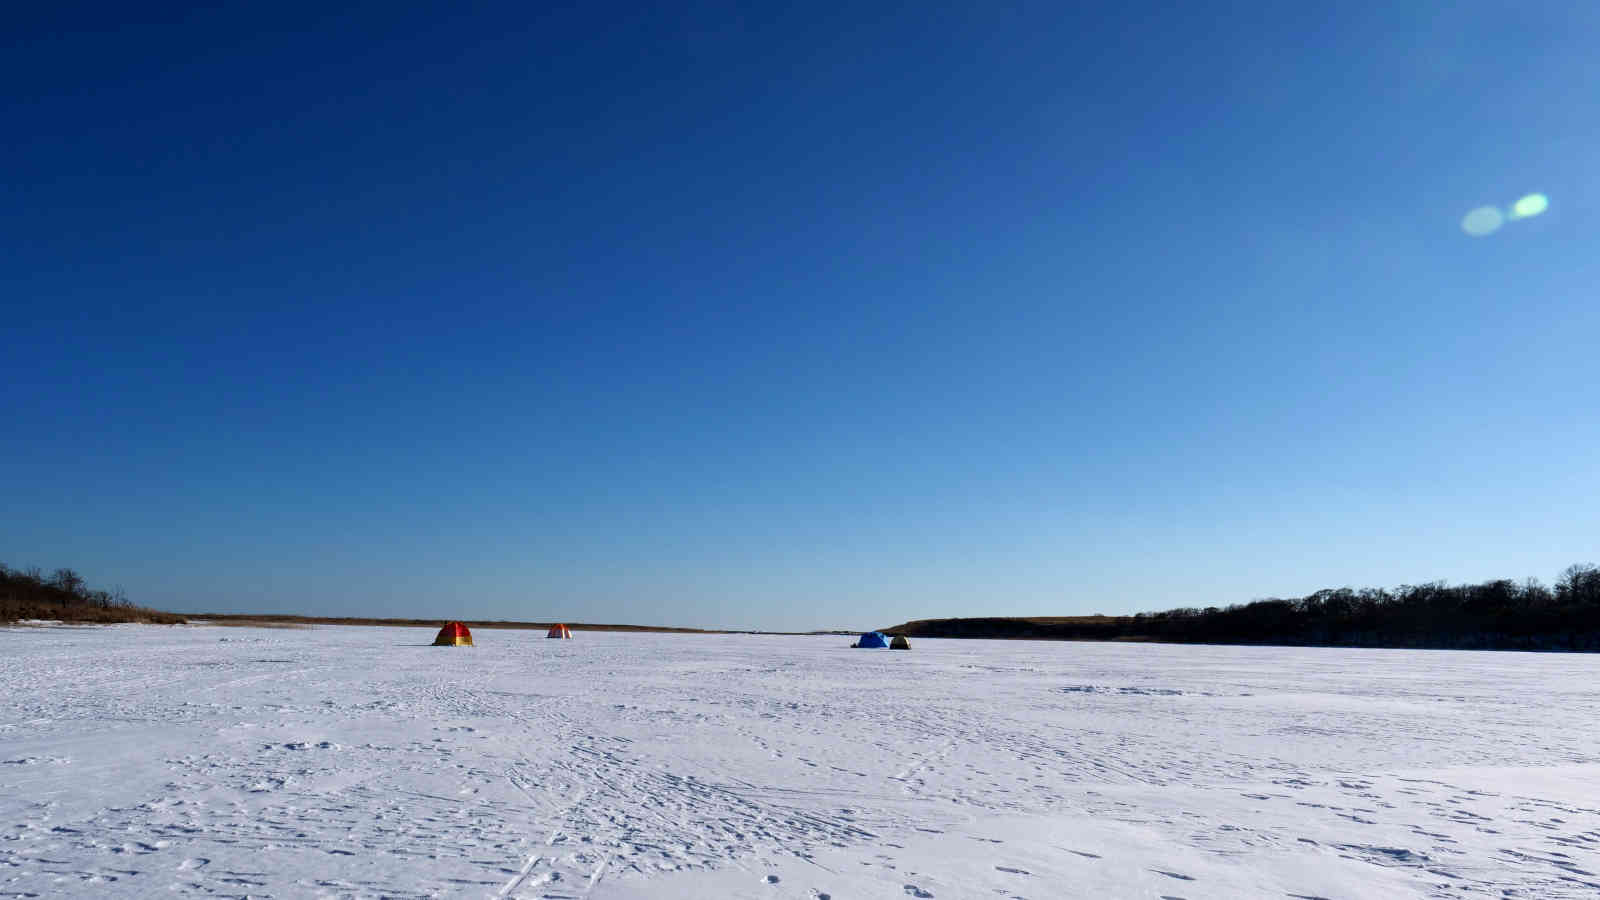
{"points": [[152, 761]]}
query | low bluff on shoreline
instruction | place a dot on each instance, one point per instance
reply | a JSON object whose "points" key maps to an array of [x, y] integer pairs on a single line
{"points": [[30, 595]]}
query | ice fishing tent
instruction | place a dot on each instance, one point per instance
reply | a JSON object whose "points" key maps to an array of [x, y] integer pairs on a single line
{"points": [[872, 639], [453, 634], [559, 631], [899, 643]]}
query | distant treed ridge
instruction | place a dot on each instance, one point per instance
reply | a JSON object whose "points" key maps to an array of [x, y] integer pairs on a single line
{"points": [[1494, 615]]}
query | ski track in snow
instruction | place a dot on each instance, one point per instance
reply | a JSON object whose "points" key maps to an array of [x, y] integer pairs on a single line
{"points": [[358, 762]]}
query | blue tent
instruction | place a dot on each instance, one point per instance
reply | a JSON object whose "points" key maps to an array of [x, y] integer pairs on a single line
{"points": [[872, 639]]}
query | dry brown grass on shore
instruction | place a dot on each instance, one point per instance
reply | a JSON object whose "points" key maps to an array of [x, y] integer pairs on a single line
{"points": [[87, 615]]}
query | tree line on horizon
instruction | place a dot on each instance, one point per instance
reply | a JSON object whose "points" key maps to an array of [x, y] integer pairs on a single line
{"points": [[1500, 614], [63, 594]]}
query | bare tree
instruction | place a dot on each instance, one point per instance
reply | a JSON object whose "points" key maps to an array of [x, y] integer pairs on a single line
{"points": [[67, 580], [1579, 584]]}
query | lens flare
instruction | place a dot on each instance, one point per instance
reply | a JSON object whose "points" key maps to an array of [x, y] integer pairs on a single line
{"points": [[1485, 220], [1530, 206]]}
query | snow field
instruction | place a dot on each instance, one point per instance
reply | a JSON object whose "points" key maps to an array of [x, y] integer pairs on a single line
{"points": [[332, 761]]}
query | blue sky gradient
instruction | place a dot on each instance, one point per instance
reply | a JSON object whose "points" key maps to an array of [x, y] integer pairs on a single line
{"points": [[785, 317]]}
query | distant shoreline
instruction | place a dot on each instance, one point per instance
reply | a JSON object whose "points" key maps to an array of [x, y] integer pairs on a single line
{"points": [[1055, 629], [1492, 615], [281, 621], [247, 619]]}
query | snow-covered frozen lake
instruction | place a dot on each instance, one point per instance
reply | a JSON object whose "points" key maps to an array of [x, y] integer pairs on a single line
{"points": [[148, 761]]}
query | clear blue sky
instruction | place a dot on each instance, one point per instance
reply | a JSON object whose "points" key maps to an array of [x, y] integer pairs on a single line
{"points": [[793, 317]]}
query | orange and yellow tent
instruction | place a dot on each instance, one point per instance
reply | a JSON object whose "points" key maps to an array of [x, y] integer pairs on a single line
{"points": [[453, 634], [559, 631]]}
